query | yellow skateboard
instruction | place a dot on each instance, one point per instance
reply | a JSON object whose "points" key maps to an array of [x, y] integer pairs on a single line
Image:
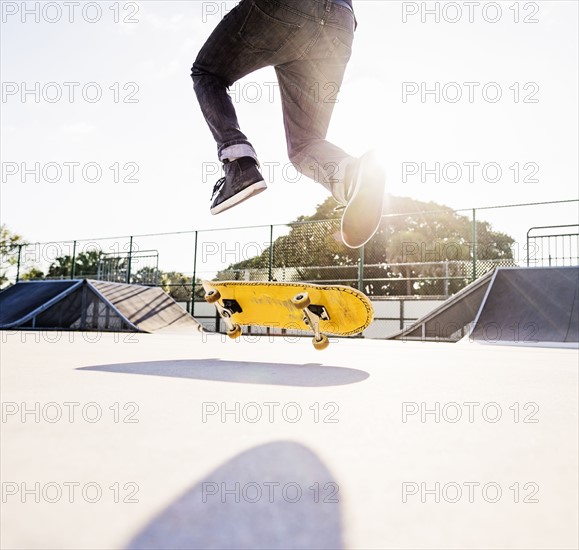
{"points": [[333, 309]]}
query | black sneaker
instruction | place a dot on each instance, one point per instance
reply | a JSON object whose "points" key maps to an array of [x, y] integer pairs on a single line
{"points": [[242, 180], [366, 180]]}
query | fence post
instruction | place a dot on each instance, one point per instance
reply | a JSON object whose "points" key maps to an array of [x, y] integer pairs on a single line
{"points": [[18, 262], [474, 244], [361, 270], [528, 255], [270, 274], [194, 276], [72, 267], [130, 259]]}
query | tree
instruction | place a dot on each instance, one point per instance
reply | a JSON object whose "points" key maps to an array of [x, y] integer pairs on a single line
{"points": [[176, 285], [312, 250], [33, 274], [146, 276], [61, 267], [9, 245], [419, 248], [432, 245], [86, 264]]}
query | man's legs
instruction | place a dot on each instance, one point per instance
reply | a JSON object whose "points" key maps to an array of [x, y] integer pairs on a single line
{"points": [[223, 60], [309, 88], [310, 60], [309, 44]]}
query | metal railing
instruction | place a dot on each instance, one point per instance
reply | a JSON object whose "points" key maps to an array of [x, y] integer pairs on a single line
{"points": [[422, 253], [119, 268], [556, 248]]}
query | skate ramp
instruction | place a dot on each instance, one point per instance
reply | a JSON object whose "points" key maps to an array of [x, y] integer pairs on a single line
{"points": [[530, 306], [449, 321], [91, 305], [149, 308], [20, 299]]}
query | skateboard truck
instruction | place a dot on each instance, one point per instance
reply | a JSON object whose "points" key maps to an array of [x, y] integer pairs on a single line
{"points": [[312, 315], [225, 311]]}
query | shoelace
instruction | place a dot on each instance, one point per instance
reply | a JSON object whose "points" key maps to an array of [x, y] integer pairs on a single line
{"points": [[217, 187]]}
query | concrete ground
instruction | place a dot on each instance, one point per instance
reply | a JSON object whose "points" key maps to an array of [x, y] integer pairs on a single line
{"points": [[187, 441]]}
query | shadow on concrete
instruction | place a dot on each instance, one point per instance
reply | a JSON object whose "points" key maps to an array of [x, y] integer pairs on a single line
{"points": [[277, 374], [274, 496]]}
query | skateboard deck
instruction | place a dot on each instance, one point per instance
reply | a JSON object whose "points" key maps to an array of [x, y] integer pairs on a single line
{"points": [[330, 309]]}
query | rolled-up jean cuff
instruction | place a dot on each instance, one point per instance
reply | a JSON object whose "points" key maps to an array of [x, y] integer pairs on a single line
{"points": [[236, 151]]}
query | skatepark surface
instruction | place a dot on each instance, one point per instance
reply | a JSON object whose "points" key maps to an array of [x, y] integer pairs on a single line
{"points": [[117, 440]]}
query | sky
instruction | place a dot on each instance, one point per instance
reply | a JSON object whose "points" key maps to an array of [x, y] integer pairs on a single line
{"points": [[98, 107]]}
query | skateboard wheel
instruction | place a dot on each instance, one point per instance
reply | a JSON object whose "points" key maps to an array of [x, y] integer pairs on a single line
{"points": [[212, 296], [235, 332], [301, 300], [322, 343]]}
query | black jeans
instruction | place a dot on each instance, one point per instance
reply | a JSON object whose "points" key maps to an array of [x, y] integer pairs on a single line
{"points": [[309, 43]]}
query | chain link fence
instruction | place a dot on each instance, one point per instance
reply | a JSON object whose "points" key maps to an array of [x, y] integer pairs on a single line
{"points": [[416, 258]]}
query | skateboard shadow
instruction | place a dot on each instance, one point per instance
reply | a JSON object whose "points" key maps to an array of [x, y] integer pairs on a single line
{"points": [[277, 374], [273, 496]]}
